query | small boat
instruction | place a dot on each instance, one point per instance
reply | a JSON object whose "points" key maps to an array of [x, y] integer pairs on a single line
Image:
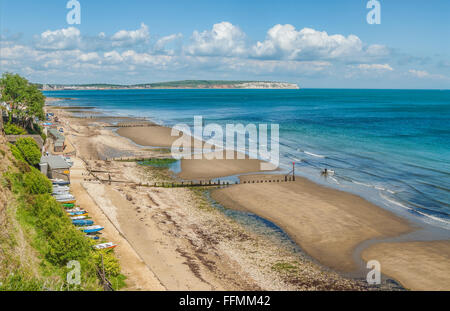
{"points": [[78, 217], [68, 205], [78, 213], [77, 209], [93, 237], [91, 229], [108, 245], [61, 188], [67, 196], [60, 193], [66, 201], [82, 222], [60, 182]]}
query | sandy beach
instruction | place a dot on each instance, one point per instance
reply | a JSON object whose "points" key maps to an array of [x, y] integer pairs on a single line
{"points": [[187, 244], [326, 223]]}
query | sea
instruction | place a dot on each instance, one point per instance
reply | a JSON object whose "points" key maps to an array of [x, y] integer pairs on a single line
{"points": [[391, 147]]}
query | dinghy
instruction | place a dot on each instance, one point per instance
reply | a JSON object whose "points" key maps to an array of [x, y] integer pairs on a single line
{"points": [[68, 205], [91, 229], [78, 213], [67, 196], [82, 222], [78, 217], [108, 245], [66, 201], [60, 182]]}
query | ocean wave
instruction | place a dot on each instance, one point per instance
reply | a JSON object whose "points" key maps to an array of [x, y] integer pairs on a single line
{"points": [[314, 155]]}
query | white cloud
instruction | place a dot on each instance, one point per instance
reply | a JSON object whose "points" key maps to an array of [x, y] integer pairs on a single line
{"points": [[422, 74], [161, 44], [131, 37], [285, 42], [89, 57], [61, 39], [113, 57], [223, 39], [379, 67], [419, 73]]}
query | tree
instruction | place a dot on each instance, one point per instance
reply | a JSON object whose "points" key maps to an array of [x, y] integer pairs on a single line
{"points": [[26, 102]]}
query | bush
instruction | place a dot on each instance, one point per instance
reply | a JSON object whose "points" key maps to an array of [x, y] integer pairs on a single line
{"points": [[36, 183], [16, 152], [30, 150], [66, 244], [110, 263], [12, 129]]}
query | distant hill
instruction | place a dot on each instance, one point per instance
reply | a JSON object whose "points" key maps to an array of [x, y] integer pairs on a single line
{"points": [[185, 84]]}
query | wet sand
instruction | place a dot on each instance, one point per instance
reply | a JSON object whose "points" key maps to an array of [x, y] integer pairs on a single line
{"points": [[416, 265], [326, 223]]}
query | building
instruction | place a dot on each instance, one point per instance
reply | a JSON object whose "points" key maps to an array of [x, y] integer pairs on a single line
{"points": [[55, 167], [58, 139]]}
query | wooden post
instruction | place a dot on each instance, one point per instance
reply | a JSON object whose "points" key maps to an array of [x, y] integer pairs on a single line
{"points": [[293, 171]]}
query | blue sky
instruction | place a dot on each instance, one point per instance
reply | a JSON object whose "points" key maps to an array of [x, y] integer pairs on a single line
{"points": [[313, 43]]}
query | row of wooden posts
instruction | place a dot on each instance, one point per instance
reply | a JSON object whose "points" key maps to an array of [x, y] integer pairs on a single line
{"points": [[187, 184]]}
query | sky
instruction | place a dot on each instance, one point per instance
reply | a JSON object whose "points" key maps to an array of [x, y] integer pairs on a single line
{"points": [[316, 44]]}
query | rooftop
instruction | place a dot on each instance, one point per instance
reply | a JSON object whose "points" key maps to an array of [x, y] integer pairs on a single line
{"points": [[55, 162]]}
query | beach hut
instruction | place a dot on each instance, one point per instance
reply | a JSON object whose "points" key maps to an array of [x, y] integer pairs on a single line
{"points": [[55, 167]]}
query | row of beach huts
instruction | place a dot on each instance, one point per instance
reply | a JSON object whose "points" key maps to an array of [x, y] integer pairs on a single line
{"points": [[79, 217]]}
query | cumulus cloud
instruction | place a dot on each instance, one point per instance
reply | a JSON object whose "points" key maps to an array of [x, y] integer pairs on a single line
{"points": [[286, 42], [223, 39], [161, 44], [61, 39], [131, 37]]}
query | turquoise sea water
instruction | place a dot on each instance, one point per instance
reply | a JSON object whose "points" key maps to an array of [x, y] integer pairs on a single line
{"points": [[390, 146]]}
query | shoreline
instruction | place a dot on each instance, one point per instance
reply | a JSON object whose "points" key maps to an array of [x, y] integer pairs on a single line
{"points": [[340, 264]]}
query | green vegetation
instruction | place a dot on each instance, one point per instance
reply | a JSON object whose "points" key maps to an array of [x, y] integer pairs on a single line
{"points": [[29, 150], [12, 129], [170, 84], [53, 236], [25, 100], [163, 163], [285, 267]]}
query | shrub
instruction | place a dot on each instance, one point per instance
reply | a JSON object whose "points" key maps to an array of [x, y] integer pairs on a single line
{"points": [[65, 244], [30, 150], [110, 263], [12, 129], [16, 152], [36, 183]]}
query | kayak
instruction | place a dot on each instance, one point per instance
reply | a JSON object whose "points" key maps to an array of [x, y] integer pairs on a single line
{"points": [[108, 245], [78, 213], [60, 182], [91, 229], [78, 217], [66, 196], [82, 222], [67, 201], [58, 188]]}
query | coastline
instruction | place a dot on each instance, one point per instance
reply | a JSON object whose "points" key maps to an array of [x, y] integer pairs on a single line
{"points": [[333, 222]]}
